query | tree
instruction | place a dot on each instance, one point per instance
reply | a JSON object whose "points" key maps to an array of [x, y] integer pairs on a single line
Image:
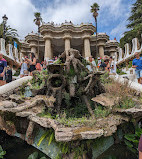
{"points": [[135, 24], [37, 19], [10, 34], [94, 9]]}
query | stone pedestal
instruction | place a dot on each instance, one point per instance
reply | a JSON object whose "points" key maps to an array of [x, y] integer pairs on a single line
{"points": [[101, 51], [87, 50], [48, 49]]}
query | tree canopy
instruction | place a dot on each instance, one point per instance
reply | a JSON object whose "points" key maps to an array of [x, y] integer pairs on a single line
{"points": [[11, 34], [135, 24], [38, 18]]}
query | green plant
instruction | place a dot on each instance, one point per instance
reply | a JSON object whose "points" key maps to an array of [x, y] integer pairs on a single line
{"points": [[105, 78], [130, 64], [2, 153], [125, 103], [101, 112], [120, 72], [49, 135], [36, 155], [132, 140]]}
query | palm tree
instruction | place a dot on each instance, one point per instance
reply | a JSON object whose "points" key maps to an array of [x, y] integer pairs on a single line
{"points": [[10, 34], [38, 21], [94, 9]]}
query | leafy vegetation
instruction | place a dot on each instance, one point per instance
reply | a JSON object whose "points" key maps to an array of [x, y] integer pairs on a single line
{"points": [[2, 152], [36, 155], [135, 24], [132, 140], [126, 103], [120, 72], [101, 112], [80, 148], [10, 34]]}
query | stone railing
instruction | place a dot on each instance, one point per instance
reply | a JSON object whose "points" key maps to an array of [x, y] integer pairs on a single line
{"points": [[128, 54], [67, 26], [9, 52]]}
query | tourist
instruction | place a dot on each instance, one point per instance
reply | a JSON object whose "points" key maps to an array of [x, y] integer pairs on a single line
{"points": [[32, 63], [105, 65], [94, 63], [8, 75], [137, 63], [112, 66], [38, 66], [140, 148], [3, 65], [44, 67], [99, 62], [24, 67]]}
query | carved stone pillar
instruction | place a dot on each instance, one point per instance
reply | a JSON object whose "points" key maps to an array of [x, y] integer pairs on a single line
{"points": [[101, 51], [67, 39], [87, 50], [33, 47], [48, 49]]}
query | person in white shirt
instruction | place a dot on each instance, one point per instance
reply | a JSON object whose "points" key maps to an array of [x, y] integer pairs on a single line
{"points": [[112, 66]]}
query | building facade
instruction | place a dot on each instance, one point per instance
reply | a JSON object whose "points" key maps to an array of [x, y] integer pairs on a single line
{"points": [[55, 39]]}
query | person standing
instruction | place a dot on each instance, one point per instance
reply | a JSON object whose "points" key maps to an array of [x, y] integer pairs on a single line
{"points": [[105, 65], [112, 66], [24, 68], [137, 63], [3, 65], [9, 75], [32, 63]]}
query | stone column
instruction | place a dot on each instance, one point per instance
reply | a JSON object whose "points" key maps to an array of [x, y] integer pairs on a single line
{"points": [[101, 51], [87, 50], [67, 38], [33, 47], [48, 49]]}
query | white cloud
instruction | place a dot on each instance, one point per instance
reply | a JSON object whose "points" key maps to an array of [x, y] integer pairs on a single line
{"points": [[20, 13]]}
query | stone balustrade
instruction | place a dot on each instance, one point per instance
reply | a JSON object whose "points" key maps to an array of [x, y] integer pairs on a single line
{"points": [[9, 52], [128, 54]]}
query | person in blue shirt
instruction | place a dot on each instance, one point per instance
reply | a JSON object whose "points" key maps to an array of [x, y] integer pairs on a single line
{"points": [[3, 65], [137, 63]]}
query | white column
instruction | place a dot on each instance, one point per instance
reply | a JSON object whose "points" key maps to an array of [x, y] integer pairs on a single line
{"points": [[101, 51], [87, 50], [67, 44], [2, 46], [33, 47], [48, 49]]}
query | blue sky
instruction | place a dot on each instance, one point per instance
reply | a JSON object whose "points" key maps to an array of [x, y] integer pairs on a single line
{"points": [[112, 17]]}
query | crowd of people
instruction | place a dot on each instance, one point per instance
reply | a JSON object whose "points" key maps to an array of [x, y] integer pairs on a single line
{"points": [[103, 64], [30, 64]]}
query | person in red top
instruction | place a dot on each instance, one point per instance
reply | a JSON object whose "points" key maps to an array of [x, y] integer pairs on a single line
{"points": [[38, 66]]}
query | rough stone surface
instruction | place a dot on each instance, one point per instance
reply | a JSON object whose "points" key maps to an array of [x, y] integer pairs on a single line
{"points": [[8, 104], [92, 134], [16, 98], [105, 100]]}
